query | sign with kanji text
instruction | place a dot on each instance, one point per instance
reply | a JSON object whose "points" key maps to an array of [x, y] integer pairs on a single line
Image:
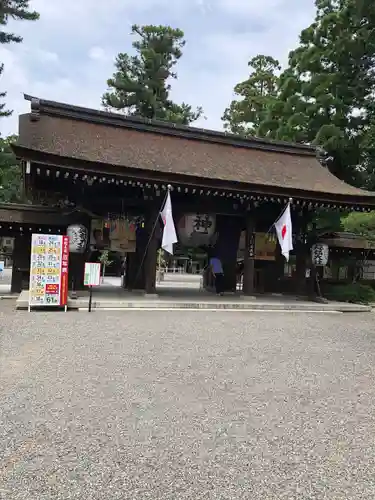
{"points": [[49, 270], [92, 274]]}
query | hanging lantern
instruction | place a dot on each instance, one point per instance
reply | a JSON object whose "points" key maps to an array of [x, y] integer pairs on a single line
{"points": [[78, 237], [196, 230], [319, 254]]}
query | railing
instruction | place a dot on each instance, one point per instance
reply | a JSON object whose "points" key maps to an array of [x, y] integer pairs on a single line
{"points": [[173, 270]]}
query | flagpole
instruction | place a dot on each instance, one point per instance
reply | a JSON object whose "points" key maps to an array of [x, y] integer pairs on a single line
{"points": [[169, 187], [281, 214]]}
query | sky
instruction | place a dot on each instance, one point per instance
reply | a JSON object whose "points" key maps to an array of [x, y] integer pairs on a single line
{"points": [[69, 54]]}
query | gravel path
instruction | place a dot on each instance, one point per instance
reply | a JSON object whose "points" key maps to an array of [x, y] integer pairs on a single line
{"points": [[186, 405]]}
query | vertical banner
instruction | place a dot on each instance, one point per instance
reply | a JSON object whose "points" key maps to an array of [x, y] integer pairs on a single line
{"points": [[49, 270], [64, 271]]}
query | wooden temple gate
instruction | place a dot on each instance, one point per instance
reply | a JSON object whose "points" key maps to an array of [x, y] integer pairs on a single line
{"points": [[91, 163]]}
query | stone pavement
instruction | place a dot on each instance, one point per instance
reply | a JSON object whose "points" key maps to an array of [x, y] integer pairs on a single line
{"points": [[183, 292], [186, 405]]}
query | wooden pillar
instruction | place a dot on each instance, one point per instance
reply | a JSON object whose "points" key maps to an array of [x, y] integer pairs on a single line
{"points": [[76, 270], [141, 265], [150, 263], [21, 262], [126, 271], [135, 276], [301, 255], [228, 229], [311, 281], [249, 262]]}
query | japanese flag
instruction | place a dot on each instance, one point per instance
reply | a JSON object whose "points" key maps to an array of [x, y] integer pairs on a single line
{"points": [[283, 228], [169, 231]]}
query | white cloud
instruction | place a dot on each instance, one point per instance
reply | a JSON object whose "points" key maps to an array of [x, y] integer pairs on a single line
{"points": [[97, 54], [46, 56], [68, 54]]}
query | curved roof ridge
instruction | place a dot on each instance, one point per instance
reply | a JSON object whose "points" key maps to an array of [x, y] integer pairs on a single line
{"points": [[90, 115]]}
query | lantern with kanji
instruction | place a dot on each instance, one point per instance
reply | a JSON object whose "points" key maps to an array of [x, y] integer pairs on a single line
{"points": [[319, 254], [196, 230], [78, 237]]}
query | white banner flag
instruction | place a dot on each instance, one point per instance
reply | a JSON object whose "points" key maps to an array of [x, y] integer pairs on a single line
{"points": [[283, 228], [169, 231]]}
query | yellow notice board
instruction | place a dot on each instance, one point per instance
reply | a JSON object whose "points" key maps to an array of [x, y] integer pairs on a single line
{"points": [[265, 246]]}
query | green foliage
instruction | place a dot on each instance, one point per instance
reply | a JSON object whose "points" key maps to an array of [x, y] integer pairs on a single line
{"points": [[355, 293], [368, 150], [104, 258], [360, 223], [18, 10], [140, 87], [330, 78], [10, 172], [326, 94], [255, 97], [328, 220], [162, 261]]}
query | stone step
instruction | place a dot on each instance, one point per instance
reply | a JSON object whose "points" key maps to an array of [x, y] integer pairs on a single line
{"points": [[240, 305]]}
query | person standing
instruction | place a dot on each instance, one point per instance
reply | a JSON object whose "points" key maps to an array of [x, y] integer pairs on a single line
{"points": [[217, 271]]}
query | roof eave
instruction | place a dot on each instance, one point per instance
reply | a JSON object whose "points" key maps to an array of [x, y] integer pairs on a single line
{"points": [[41, 157]]}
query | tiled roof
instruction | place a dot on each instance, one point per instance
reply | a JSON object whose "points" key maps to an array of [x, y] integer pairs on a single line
{"points": [[110, 138]]}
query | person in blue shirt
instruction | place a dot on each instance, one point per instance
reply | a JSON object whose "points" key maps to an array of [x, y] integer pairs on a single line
{"points": [[218, 274]]}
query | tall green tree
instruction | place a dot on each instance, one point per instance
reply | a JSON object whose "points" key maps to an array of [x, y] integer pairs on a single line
{"points": [[367, 167], [254, 97], [10, 172], [141, 86], [362, 224], [325, 91], [18, 10]]}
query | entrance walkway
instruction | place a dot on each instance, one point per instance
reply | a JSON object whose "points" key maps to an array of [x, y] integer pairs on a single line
{"points": [[181, 292]]}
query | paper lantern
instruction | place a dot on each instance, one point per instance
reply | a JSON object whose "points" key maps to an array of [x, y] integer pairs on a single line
{"points": [[319, 254], [196, 230], [78, 236]]}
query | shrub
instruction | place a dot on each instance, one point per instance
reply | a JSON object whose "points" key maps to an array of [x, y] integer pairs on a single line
{"points": [[353, 292]]}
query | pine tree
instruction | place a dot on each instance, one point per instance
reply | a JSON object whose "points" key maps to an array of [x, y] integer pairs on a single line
{"points": [[18, 10], [325, 91], [10, 172], [255, 97], [139, 86]]}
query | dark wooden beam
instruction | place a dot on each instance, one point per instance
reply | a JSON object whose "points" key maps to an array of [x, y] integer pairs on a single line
{"points": [[29, 214]]}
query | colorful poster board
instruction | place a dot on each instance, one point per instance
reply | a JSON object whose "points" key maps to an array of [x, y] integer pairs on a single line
{"points": [[92, 274], [49, 270]]}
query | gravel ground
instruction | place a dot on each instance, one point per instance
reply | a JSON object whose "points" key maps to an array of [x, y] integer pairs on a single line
{"points": [[186, 405]]}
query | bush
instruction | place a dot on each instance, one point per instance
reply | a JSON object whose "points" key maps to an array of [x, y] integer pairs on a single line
{"points": [[354, 293]]}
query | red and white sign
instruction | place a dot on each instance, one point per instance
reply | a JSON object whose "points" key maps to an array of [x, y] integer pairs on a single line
{"points": [[49, 270], [64, 271]]}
